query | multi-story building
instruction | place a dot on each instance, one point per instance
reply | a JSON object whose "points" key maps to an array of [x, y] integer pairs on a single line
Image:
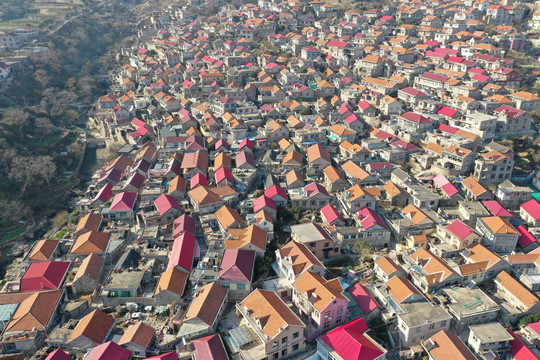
{"points": [[316, 239], [420, 321], [493, 166], [488, 339], [498, 233], [321, 303]]}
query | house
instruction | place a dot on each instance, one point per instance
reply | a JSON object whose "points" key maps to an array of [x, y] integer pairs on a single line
{"points": [[42, 275], [87, 277], [331, 216], [204, 200], [479, 254], [108, 350], [356, 198], [321, 301], [229, 218], [420, 321], [183, 253], [43, 250], [274, 324], [398, 290], [251, 238], [138, 338], [265, 203], [513, 292], [512, 196], [458, 235], [277, 194], [466, 314], [170, 287], [333, 180], [498, 233], [474, 190], [295, 258], [316, 239], [350, 342], [372, 228], [89, 222], [431, 272], [202, 316], [236, 272], [318, 159], [386, 268], [168, 209], [530, 212], [92, 242], [31, 313], [489, 338], [208, 346], [312, 196], [91, 331], [444, 344], [122, 207]]}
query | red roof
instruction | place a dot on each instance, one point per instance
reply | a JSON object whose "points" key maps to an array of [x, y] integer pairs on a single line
{"points": [[364, 298], [350, 343], [532, 207], [414, 92], [449, 189], [124, 201], [237, 265], [182, 224], [208, 348], [108, 351], [434, 77], [415, 117], [275, 190], [519, 350], [331, 214], [58, 354], [495, 208], [459, 229], [246, 142], [167, 356], [183, 252], [44, 275], [525, 237], [448, 129], [223, 174], [263, 201], [165, 203], [105, 193]]}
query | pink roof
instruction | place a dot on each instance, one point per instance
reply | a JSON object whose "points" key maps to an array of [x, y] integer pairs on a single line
{"points": [[124, 201], [336, 43], [165, 203], [44, 275], [58, 354], [223, 174], [403, 145], [331, 214], [448, 129], [263, 201], [349, 342], [183, 252], [315, 188], [184, 223], [525, 237], [364, 298], [519, 350], [414, 92], [108, 351], [481, 78], [532, 207], [275, 190], [237, 265], [440, 180], [198, 179], [221, 143], [167, 356], [434, 77], [495, 208], [364, 105], [459, 229], [380, 165], [369, 218]]}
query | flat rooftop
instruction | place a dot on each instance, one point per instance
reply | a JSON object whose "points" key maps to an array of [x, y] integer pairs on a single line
{"points": [[467, 301], [421, 313], [491, 333]]}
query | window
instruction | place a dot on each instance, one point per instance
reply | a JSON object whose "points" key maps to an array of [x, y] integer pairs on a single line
{"points": [[431, 326], [312, 244], [295, 347], [275, 343], [338, 320], [443, 323], [284, 352], [326, 244], [225, 285], [295, 335], [340, 309], [275, 356], [284, 340], [327, 325], [240, 286]]}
